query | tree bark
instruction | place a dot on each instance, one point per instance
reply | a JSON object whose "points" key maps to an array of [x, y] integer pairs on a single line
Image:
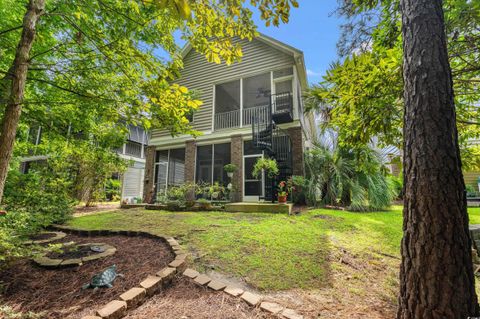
{"points": [[18, 76], [436, 275]]}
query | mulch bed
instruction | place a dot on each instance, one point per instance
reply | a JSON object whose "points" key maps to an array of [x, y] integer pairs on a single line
{"points": [[58, 292], [186, 300]]}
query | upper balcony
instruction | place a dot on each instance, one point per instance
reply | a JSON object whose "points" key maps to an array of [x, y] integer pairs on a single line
{"points": [[266, 96], [280, 106]]}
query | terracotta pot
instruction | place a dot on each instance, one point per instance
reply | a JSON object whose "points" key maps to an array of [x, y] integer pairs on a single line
{"points": [[282, 199]]}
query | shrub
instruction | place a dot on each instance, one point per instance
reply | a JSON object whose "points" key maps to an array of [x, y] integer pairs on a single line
{"points": [[348, 177], [204, 204], [297, 184], [45, 194]]}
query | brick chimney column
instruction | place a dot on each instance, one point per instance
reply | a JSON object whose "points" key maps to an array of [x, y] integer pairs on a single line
{"points": [[236, 155], [296, 137], [148, 181]]}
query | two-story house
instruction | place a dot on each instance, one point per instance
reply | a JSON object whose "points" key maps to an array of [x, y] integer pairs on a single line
{"points": [[250, 109]]}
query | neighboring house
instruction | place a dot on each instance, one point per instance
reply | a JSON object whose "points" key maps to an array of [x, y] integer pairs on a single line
{"points": [[133, 150], [250, 109]]}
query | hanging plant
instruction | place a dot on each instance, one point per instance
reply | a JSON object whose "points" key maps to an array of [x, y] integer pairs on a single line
{"points": [[269, 165]]}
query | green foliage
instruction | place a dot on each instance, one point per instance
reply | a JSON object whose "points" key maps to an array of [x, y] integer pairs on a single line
{"points": [[298, 185], [46, 195], [353, 178], [230, 168], [396, 185], [112, 189], [269, 165], [362, 96]]}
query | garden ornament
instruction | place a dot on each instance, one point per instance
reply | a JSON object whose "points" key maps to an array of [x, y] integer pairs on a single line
{"points": [[103, 279]]}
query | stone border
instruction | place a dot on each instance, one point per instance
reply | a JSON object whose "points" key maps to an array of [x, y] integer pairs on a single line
{"points": [[153, 284], [250, 298], [58, 235], [48, 262]]}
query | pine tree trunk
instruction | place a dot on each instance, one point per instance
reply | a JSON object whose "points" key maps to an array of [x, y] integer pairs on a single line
{"points": [[436, 275], [18, 76]]}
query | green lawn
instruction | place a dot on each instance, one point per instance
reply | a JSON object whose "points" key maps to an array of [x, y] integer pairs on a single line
{"points": [[271, 251]]}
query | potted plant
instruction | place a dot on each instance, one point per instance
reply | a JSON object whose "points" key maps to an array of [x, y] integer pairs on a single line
{"points": [[282, 192], [267, 165], [230, 169]]}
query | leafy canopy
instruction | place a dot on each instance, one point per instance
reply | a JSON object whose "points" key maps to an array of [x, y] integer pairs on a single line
{"points": [[362, 95]]}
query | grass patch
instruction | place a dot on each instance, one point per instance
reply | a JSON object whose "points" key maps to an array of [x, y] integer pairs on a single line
{"points": [[270, 251]]}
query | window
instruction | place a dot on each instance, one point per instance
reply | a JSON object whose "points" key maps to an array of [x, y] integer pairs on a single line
{"points": [[210, 162], [169, 168], [227, 97], [256, 91], [204, 164], [176, 167], [221, 157], [161, 162]]}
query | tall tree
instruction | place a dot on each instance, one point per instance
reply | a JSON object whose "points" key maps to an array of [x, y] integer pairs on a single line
{"points": [[436, 275], [17, 77], [103, 55]]}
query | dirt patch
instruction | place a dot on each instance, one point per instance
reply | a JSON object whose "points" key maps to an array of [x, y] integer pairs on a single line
{"points": [[43, 236], [83, 210], [58, 292], [189, 301]]}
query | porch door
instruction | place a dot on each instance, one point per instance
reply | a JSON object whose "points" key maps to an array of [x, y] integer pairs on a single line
{"points": [[253, 187]]}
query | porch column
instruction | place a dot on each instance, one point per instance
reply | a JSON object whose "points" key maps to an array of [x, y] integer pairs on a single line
{"points": [[190, 159], [149, 178], [296, 137], [236, 155]]}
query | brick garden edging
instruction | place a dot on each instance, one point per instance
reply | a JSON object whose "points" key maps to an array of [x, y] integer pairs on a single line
{"points": [[250, 298], [152, 284]]}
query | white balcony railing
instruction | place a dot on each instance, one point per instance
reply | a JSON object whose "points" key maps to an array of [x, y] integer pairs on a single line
{"points": [[225, 120], [261, 112], [231, 119]]}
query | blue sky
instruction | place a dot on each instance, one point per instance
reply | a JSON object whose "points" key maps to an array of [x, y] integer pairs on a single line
{"points": [[314, 29]]}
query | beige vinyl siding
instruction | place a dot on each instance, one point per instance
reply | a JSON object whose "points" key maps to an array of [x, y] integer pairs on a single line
{"points": [[471, 178], [200, 75]]}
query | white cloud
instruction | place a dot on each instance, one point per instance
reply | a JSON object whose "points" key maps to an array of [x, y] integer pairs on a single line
{"points": [[313, 73]]}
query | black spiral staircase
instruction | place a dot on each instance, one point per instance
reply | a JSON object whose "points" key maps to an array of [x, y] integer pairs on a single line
{"points": [[274, 141]]}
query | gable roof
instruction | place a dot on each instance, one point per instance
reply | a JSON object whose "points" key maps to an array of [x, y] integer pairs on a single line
{"points": [[294, 52]]}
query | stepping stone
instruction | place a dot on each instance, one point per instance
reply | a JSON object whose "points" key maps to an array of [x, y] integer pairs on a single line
{"points": [[250, 298], [191, 273], [176, 247], [115, 309], [47, 262], [133, 297], [291, 314], [216, 285], [91, 317], [271, 307], [233, 291], [202, 279], [152, 284]]}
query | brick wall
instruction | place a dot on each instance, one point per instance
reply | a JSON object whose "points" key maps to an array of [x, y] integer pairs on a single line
{"points": [[190, 159], [236, 153], [148, 182], [296, 136]]}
